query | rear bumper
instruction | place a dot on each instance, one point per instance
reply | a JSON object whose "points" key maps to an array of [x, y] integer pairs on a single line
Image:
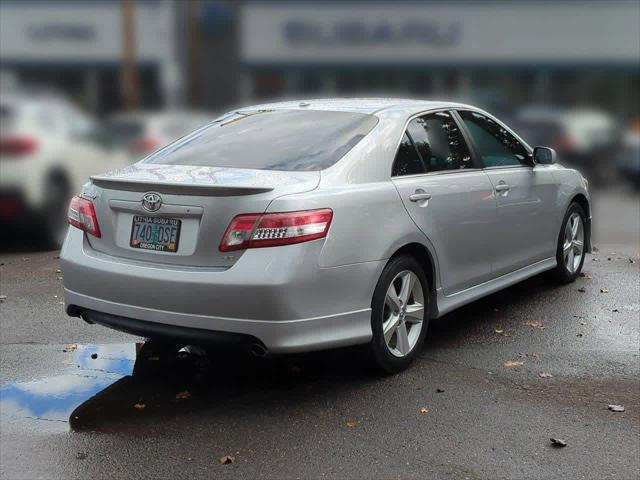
{"points": [[279, 296]]}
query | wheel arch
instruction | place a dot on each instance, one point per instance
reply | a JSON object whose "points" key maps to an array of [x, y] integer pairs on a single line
{"points": [[425, 258], [582, 200]]}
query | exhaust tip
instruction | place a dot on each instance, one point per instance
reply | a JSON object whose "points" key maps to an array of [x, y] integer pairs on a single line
{"points": [[258, 350]]}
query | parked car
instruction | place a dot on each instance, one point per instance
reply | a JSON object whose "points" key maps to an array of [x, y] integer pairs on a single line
{"points": [[629, 157], [141, 133], [583, 138], [310, 225], [48, 149]]}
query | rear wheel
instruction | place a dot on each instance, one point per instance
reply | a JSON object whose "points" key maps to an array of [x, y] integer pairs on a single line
{"points": [[54, 215], [571, 245], [399, 314]]}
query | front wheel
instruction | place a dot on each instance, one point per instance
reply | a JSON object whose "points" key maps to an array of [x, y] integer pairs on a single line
{"points": [[571, 245], [399, 314]]}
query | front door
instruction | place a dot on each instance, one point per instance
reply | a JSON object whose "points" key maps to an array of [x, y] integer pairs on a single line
{"points": [[525, 230]]}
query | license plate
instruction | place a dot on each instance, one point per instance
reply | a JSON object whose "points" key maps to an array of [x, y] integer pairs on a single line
{"points": [[155, 233]]}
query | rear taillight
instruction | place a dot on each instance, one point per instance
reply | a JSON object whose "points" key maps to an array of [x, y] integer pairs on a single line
{"points": [[564, 142], [18, 146], [146, 145], [83, 216], [274, 229]]}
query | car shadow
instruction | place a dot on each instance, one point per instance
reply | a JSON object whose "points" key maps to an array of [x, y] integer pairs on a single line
{"points": [[165, 386]]}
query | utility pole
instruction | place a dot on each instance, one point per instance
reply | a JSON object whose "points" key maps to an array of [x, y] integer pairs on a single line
{"points": [[195, 52], [129, 80]]}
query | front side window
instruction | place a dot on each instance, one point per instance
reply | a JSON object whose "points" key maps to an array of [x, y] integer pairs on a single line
{"points": [[496, 146]]}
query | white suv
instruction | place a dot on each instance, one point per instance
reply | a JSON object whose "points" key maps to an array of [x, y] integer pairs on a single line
{"points": [[48, 149]]}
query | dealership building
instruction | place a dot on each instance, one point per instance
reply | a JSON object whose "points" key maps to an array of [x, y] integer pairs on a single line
{"points": [[495, 53], [75, 47], [212, 54]]}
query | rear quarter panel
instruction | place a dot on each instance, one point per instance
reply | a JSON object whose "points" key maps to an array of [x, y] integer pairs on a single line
{"points": [[369, 221]]}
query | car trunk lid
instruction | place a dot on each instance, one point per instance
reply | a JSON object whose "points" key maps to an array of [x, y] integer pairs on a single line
{"points": [[203, 200]]}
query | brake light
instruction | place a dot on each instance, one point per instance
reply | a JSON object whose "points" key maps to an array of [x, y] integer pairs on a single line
{"points": [[18, 146], [147, 145], [274, 229], [564, 142], [83, 216]]}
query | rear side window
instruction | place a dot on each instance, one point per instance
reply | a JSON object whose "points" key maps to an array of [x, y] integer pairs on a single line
{"points": [[496, 146], [304, 140], [407, 161], [439, 146]]}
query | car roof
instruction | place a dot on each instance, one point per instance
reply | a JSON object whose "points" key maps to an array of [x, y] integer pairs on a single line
{"points": [[359, 105]]}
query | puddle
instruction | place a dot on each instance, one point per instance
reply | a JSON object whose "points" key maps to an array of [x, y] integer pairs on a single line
{"points": [[53, 399], [127, 388]]}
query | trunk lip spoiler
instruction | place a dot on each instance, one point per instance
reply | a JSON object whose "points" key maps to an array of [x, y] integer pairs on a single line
{"points": [[175, 188]]}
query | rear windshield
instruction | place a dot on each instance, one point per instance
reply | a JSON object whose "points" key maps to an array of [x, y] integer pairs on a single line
{"points": [[303, 140]]}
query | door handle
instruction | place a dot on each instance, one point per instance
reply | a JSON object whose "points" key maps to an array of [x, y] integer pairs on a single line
{"points": [[416, 197], [502, 188]]}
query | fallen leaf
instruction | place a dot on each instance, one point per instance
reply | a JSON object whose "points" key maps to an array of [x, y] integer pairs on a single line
{"points": [[139, 406], [513, 363], [184, 395], [616, 408], [557, 442], [604, 290], [424, 410], [351, 424], [545, 375], [227, 459], [582, 289], [532, 323]]}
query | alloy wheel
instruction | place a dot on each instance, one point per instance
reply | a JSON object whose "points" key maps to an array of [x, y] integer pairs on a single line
{"points": [[403, 313], [573, 246]]}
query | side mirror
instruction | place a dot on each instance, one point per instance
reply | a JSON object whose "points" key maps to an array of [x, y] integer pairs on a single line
{"points": [[544, 155]]}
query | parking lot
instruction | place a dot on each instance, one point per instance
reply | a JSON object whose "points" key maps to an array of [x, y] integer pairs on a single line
{"points": [[494, 383]]}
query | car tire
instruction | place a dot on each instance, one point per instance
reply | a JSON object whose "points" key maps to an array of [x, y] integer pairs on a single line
{"points": [[54, 215], [569, 267], [396, 350]]}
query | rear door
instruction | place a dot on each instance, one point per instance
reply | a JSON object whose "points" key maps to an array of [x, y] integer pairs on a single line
{"points": [[448, 198], [525, 229]]}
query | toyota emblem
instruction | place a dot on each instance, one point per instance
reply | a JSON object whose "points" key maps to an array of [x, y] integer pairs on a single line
{"points": [[151, 202]]}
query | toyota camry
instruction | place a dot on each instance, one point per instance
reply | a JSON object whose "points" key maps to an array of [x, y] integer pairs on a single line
{"points": [[310, 225]]}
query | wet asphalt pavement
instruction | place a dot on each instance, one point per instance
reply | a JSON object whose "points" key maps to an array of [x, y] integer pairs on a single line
{"points": [[82, 401]]}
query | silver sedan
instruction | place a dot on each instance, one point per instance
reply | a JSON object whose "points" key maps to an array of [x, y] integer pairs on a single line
{"points": [[311, 225]]}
